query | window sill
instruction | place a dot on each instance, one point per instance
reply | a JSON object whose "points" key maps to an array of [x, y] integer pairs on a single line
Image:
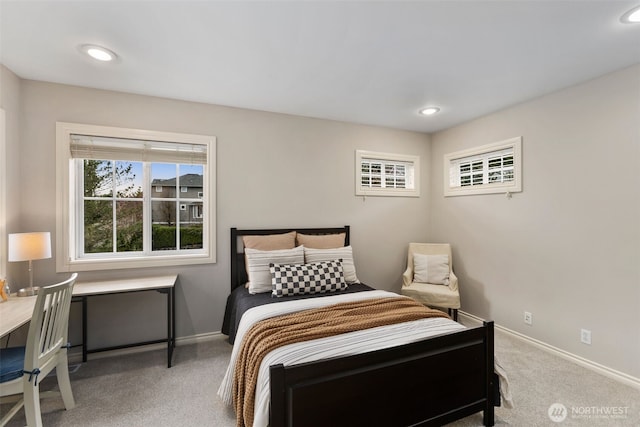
{"points": [[123, 263]]}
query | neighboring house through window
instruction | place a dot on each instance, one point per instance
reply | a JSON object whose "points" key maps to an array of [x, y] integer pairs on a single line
{"points": [[190, 195], [111, 217]]}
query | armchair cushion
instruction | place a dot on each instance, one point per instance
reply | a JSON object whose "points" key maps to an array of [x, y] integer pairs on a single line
{"points": [[432, 295], [432, 269]]}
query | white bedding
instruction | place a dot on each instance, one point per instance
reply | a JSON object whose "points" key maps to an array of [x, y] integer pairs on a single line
{"points": [[339, 345]]}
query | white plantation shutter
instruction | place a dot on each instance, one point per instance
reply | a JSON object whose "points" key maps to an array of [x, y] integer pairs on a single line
{"points": [[386, 174], [491, 168], [485, 168]]}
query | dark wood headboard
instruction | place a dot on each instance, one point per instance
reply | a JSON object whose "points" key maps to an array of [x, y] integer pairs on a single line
{"points": [[238, 270]]}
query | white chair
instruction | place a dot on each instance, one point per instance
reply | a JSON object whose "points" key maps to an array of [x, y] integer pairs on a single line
{"points": [[445, 293], [22, 368]]}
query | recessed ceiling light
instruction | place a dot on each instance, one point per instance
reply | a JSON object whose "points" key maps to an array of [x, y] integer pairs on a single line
{"points": [[631, 17], [98, 52], [429, 111]]}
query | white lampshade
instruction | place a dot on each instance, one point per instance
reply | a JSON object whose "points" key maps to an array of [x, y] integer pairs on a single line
{"points": [[29, 246]]}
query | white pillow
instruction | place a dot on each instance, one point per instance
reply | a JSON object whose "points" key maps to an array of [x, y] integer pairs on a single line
{"points": [[258, 265], [345, 253], [432, 269]]}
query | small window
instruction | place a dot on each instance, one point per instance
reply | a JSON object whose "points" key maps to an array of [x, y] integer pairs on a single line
{"points": [[196, 211], [492, 168], [385, 174], [183, 189], [158, 188]]}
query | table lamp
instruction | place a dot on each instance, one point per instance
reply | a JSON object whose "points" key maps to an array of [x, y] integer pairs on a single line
{"points": [[27, 247]]}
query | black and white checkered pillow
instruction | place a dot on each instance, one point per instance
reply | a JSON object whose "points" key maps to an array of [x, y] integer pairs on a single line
{"points": [[314, 278]]}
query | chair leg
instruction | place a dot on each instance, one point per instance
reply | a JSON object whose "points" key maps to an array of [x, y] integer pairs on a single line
{"points": [[62, 373], [32, 404]]}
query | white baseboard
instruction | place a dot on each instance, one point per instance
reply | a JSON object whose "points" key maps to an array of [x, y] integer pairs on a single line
{"points": [[75, 355], [596, 367], [194, 339]]}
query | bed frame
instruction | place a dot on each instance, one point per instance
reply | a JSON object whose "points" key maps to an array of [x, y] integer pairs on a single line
{"points": [[428, 383]]}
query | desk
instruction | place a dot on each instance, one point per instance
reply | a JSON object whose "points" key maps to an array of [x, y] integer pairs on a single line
{"points": [[15, 312], [163, 284]]}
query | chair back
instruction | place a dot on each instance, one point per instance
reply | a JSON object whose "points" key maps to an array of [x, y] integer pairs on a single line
{"points": [[49, 324], [429, 249]]}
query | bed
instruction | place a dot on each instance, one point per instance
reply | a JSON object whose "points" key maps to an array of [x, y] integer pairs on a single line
{"points": [[420, 381]]}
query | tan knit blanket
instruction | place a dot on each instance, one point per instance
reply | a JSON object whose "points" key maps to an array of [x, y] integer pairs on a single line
{"points": [[270, 334]]}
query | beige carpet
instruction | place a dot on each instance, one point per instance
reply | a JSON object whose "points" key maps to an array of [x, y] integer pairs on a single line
{"points": [[138, 390]]}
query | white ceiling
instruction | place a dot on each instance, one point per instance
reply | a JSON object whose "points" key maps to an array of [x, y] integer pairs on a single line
{"points": [[367, 62]]}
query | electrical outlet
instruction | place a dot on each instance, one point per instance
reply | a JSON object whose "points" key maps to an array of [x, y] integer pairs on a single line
{"points": [[585, 336], [528, 318]]}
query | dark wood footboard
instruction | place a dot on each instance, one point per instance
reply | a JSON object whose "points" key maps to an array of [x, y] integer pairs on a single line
{"points": [[430, 382]]}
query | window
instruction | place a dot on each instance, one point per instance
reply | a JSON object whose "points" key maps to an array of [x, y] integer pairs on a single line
{"points": [[124, 204], [384, 174], [196, 211], [492, 168]]}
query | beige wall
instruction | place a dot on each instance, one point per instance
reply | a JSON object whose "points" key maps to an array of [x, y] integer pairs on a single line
{"points": [[10, 86], [274, 170], [566, 249], [10, 102]]}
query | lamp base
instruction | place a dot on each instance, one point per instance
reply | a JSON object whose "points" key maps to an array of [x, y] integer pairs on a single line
{"points": [[28, 292]]}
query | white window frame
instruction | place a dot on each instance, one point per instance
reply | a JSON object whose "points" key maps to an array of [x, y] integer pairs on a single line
{"points": [[66, 212], [412, 174], [482, 154]]}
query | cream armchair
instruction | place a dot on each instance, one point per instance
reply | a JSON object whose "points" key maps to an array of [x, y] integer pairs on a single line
{"points": [[433, 295]]}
